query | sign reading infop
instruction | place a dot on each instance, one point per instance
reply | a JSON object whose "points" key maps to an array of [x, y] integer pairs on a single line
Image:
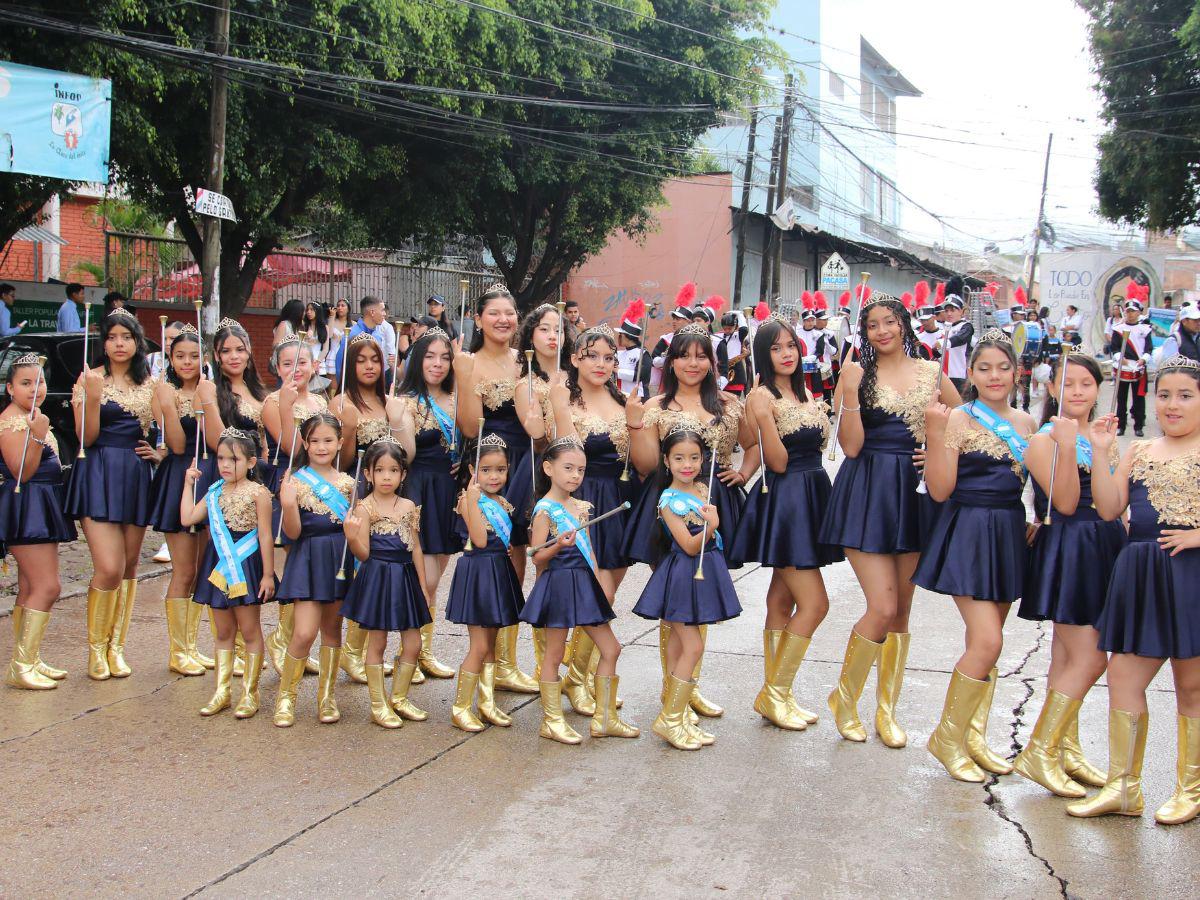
{"points": [[835, 276], [54, 124]]}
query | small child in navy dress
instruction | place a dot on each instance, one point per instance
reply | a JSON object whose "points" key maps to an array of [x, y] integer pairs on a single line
{"points": [[976, 552], [389, 592], [32, 523], [782, 517], [1151, 612], [1070, 561], [315, 499], [568, 595], [689, 527], [237, 574], [485, 593], [109, 488]]}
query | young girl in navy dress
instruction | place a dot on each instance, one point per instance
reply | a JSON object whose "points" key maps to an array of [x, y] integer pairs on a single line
{"points": [[975, 464], [875, 511], [780, 523], [237, 574], [176, 407], [32, 523], [485, 593], [568, 595], [110, 484], [673, 594], [1070, 561], [315, 498], [389, 592], [1151, 612]]}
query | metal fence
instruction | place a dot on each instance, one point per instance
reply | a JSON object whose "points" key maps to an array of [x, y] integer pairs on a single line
{"points": [[162, 270]]}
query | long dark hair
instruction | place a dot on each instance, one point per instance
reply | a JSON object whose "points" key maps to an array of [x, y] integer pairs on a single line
{"points": [[1050, 407], [660, 544], [413, 384], [139, 368], [1005, 347], [710, 394], [227, 404], [320, 317], [353, 389], [866, 351], [499, 292], [525, 342], [584, 345], [307, 427], [541, 484], [377, 451], [182, 338], [468, 459], [293, 314], [768, 333]]}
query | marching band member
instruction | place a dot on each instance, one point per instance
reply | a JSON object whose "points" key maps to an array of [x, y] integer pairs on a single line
{"points": [[731, 347], [812, 341], [633, 362], [826, 361], [875, 512], [681, 315], [1150, 612], [1134, 353], [930, 334], [975, 465], [960, 336]]}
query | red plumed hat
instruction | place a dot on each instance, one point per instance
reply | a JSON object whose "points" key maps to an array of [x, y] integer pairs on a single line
{"points": [[762, 312], [820, 304], [634, 311], [921, 292], [686, 294], [806, 300], [940, 293], [715, 302], [908, 301], [1019, 296], [864, 292], [844, 300]]}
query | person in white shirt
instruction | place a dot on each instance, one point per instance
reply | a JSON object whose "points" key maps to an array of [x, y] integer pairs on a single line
{"points": [[960, 336], [1133, 353], [633, 362], [1070, 327], [929, 335]]}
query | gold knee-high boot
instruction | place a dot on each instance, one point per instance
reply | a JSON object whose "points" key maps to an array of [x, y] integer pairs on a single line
{"points": [[892, 658], [289, 683], [670, 724], [23, 670], [178, 658], [1184, 804], [575, 681], [43, 667], [248, 705], [554, 725], [462, 713], [772, 700], [239, 655], [223, 694], [1074, 763], [488, 710], [402, 675], [843, 702], [327, 708], [194, 613], [126, 594], [353, 658], [539, 652], [509, 676], [1122, 792], [771, 639], [593, 665], [606, 722], [983, 755], [1040, 760], [427, 662], [281, 638], [100, 606], [948, 743], [698, 702], [381, 711]]}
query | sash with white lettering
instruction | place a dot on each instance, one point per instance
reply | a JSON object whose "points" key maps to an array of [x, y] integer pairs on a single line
{"points": [[681, 504], [1000, 427], [498, 517], [1083, 447], [228, 577], [566, 522], [334, 499], [445, 424]]}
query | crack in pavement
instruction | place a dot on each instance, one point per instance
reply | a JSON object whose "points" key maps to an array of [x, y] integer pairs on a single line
{"points": [[87, 712]]}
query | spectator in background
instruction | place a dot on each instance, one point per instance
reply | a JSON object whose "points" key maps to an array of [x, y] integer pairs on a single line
{"points": [[435, 308], [68, 313], [1071, 326], [373, 320], [337, 325], [574, 316], [1189, 331], [8, 296], [115, 300], [289, 322]]}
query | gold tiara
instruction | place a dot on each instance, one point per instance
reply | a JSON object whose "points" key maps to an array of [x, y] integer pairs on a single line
{"points": [[571, 442], [360, 338], [122, 311], [436, 332], [995, 336], [386, 439], [238, 433], [493, 440], [29, 359], [780, 318], [499, 286], [543, 307], [879, 297], [229, 323], [1179, 362], [694, 328], [684, 428], [286, 341], [601, 330], [189, 328]]}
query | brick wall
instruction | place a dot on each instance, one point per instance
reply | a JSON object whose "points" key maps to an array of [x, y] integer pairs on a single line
{"points": [[80, 227], [258, 325]]}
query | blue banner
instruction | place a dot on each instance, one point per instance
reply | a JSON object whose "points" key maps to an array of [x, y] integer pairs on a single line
{"points": [[54, 124]]}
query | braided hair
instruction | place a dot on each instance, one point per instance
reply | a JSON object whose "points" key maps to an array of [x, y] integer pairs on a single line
{"points": [[867, 355]]}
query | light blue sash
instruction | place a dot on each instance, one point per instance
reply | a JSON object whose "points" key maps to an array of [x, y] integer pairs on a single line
{"points": [[334, 499], [1000, 427], [498, 517], [1083, 447], [228, 577], [681, 504], [445, 424], [566, 522]]}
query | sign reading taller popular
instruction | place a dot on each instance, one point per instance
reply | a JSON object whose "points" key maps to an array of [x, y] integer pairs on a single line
{"points": [[54, 124]]}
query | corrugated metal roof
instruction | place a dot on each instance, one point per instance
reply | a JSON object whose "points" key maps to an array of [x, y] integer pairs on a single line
{"points": [[38, 235]]}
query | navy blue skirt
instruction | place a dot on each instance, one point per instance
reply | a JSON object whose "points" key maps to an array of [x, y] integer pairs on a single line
{"points": [[110, 484], [643, 522], [208, 594], [34, 516], [484, 590], [780, 528], [975, 551], [566, 595], [386, 596], [606, 492], [436, 493], [167, 487], [1070, 564], [674, 595], [1153, 603], [874, 506], [310, 572]]}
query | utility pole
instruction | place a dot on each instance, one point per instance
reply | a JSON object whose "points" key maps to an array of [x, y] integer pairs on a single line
{"points": [[789, 109], [210, 265], [1037, 230], [743, 220], [764, 272]]}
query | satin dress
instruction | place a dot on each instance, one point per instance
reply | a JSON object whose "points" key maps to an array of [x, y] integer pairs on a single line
{"points": [[112, 483], [36, 514], [386, 593]]}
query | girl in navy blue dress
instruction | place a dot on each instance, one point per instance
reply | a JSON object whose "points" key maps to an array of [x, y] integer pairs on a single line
{"points": [[32, 523], [780, 524], [485, 593], [1070, 561], [176, 406], [486, 388], [875, 512], [389, 592], [314, 498], [110, 484], [568, 595], [237, 574], [1151, 612], [975, 465], [691, 399], [688, 521]]}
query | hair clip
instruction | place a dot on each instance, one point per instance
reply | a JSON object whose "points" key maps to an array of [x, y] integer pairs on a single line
{"points": [[1179, 362], [571, 442], [601, 330], [693, 328], [995, 336], [229, 323], [237, 433], [493, 440], [361, 338]]}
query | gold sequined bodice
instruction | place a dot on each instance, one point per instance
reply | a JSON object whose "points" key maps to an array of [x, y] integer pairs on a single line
{"points": [[238, 506], [308, 500], [910, 406], [135, 399], [589, 424], [721, 433], [1172, 486]]}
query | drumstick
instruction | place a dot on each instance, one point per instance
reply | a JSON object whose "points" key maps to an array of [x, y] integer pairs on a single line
{"points": [[341, 573], [87, 309], [291, 457], [532, 448], [712, 474], [837, 419], [37, 386], [612, 512], [1062, 390]]}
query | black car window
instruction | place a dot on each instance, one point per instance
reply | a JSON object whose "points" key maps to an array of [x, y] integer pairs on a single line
{"points": [[69, 353]]}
